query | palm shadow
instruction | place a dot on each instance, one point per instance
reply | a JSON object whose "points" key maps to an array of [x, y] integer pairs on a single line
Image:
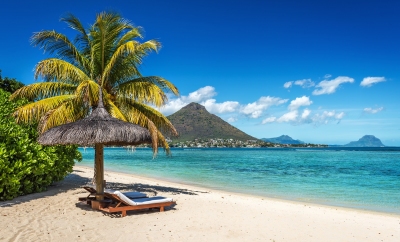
{"points": [[74, 181]]}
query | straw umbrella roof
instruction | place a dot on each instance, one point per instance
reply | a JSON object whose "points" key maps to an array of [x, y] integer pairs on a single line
{"points": [[98, 128]]}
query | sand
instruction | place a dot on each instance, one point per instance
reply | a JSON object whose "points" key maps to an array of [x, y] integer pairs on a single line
{"points": [[201, 214]]}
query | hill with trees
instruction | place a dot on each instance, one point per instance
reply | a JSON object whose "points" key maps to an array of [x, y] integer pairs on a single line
{"points": [[195, 122]]}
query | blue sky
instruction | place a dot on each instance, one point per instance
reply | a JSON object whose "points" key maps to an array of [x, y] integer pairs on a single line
{"points": [[319, 71]]}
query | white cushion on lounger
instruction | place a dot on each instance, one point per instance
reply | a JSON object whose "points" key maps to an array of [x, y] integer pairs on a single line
{"points": [[109, 190], [130, 195], [140, 201], [152, 200], [133, 195]]}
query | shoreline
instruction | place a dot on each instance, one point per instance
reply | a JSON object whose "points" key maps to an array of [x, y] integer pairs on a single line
{"points": [[200, 215], [279, 199]]}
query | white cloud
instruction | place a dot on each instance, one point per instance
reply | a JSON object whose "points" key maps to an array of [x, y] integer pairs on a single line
{"points": [[231, 120], [372, 111], [298, 102], [327, 76], [225, 107], [340, 115], [203, 96], [255, 109], [306, 113], [369, 81], [288, 117], [172, 106], [306, 117], [269, 120], [305, 83], [329, 87], [326, 116], [287, 84]]}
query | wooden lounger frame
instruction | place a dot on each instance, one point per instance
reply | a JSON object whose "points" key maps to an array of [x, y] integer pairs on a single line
{"points": [[90, 197], [121, 206]]}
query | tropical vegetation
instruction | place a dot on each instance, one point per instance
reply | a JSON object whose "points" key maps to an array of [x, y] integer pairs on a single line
{"points": [[26, 166], [105, 56], [10, 84]]}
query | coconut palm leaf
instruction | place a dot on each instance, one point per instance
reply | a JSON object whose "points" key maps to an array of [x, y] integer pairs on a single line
{"points": [[136, 111], [60, 45], [74, 23], [159, 81], [136, 32], [69, 111], [142, 91], [127, 49], [88, 91], [43, 90], [32, 112], [59, 70]]}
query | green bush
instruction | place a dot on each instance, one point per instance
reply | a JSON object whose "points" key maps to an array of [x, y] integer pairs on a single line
{"points": [[26, 166]]}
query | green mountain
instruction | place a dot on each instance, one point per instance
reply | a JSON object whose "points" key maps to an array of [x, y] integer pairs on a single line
{"points": [[283, 139], [195, 122], [366, 141]]}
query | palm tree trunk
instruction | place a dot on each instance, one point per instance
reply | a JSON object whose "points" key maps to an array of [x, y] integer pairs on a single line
{"points": [[99, 169]]}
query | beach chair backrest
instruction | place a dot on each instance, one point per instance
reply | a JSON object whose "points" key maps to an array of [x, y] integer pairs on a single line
{"points": [[90, 188], [124, 198]]}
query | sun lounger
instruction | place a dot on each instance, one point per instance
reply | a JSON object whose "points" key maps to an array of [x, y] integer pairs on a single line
{"points": [[92, 193], [122, 203]]}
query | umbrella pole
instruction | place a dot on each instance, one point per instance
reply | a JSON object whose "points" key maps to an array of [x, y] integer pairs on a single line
{"points": [[99, 166]]}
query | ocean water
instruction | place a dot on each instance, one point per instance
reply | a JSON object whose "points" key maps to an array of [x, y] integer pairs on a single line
{"points": [[362, 178]]}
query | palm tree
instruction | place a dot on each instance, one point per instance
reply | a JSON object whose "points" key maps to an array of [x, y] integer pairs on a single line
{"points": [[106, 55]]}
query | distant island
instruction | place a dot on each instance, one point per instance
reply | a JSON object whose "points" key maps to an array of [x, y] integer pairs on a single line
{"points": [[283, 139], [366, 141]]}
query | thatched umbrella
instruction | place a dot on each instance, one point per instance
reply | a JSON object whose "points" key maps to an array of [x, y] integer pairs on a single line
{"points": [[98, 129]]}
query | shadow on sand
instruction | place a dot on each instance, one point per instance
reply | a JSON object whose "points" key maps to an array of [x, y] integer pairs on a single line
{"points": [[74, 181]]}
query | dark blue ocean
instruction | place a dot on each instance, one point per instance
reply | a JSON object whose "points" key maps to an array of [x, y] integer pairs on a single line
{"points": [[362, 178]]}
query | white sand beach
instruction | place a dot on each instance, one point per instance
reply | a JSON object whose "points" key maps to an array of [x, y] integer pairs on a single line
{"points": [[199, 215]]}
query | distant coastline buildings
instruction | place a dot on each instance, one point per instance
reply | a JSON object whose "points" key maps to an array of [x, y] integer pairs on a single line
{"points": [[232, 143]]}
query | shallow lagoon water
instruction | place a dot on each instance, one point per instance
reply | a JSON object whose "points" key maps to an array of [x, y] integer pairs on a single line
{"points": [[362, 178]]}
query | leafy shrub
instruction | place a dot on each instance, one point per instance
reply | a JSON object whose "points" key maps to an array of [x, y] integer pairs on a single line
{"points": [[25, 165], [9, 84]]}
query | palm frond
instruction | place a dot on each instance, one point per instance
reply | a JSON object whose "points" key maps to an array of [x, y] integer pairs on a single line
{"points": [[69, 111], [164, 143], [59, 70], [154, 135], [124, 70], [130, 35], [147, 89], [137, 113], [127, 49], [32, 112], [112, 109], [148, 46], [43, 90], [82, 39], [59, 44], [88, 91], [143, 92]]}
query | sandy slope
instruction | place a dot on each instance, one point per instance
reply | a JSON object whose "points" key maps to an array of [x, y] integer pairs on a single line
{"points": [[200, 215]]}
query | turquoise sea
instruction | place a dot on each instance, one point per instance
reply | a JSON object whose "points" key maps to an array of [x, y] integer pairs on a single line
{"points": [[362, 178]]}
